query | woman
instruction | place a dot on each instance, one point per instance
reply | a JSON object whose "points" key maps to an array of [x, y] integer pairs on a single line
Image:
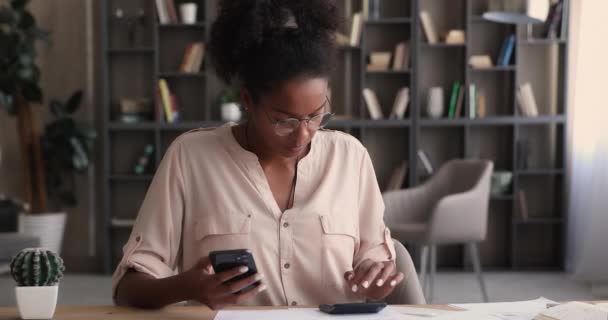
{"points": [[305, 201]]}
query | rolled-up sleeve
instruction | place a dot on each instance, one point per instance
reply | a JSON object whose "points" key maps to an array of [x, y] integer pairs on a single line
{"points": [[154, 242], [375, 238]]}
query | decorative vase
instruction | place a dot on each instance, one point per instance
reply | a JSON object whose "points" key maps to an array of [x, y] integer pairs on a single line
{"points": [[231, 111], [435, 105]]}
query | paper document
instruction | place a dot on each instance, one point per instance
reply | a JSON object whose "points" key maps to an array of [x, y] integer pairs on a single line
{"points": [[519, 310], [575, 311], [389, 313]]}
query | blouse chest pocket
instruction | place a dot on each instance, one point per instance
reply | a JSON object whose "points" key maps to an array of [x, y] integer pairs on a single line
{"points": [[339, 231], [225, 231]]}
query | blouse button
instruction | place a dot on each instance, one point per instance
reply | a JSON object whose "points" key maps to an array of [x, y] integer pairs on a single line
{"points": [[287, 265], [293, 303], [286, 224], [138, 238]]}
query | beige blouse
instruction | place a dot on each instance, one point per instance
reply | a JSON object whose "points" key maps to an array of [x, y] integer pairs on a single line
{"points": [[211, 194]]}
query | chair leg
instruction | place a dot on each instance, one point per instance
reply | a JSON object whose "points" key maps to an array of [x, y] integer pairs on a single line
{"points": [[424, 256], [474, 253], [432, 273]]}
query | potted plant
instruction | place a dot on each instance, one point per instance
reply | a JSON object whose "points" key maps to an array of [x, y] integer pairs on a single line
{"points": [[230, 106], [66, 149], [37, 272], [48, 162]]}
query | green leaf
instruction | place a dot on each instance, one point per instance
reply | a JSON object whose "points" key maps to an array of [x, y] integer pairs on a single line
{"points": [[56, 108], [73, 102]]}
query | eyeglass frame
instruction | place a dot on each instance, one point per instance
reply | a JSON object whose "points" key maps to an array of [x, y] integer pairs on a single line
{"points": [[306, 120]]}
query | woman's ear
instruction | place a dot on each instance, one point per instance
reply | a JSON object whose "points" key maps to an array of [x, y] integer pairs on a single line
{"points": [[246, 99]]}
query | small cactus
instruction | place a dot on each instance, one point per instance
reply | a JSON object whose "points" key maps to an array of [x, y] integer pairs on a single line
{"points": [[36, 267]]}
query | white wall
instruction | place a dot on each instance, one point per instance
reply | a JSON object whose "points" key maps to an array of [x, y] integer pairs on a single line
{"points": [[587, 256]]}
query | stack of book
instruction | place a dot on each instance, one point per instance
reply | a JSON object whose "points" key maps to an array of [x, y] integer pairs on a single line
{"points": [[135, 110], [193, 58], [166, 102]]}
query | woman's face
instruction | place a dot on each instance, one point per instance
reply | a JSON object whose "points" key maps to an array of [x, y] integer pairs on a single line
{"points": [[296, 99]]}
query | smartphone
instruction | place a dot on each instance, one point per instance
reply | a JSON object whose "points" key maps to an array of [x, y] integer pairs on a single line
{"points": [[224, 260], [352, 308]]}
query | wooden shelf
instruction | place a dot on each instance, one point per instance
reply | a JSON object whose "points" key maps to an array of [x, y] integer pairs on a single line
{"points": [[441, 45], [494, 69], [389, 21], [131, 178], [197, 25], [539, 221], [120, 126], [540, 172], [125, 51], [182, 75], [122, 223], [540, 41], [388, 72]]}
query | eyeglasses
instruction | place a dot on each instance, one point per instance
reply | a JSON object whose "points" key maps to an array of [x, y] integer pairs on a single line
{"points": [[288, 126]]}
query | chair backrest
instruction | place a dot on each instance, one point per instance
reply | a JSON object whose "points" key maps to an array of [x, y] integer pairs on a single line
{"points": [[461, 213], [409, 290]]}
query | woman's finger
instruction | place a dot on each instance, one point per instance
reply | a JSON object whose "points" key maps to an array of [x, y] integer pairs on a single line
{"points": [[389, 269], [374, 270]]}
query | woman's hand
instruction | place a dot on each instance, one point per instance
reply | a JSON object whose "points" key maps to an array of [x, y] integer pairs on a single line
{"points": [[213, 290], [374, 280]]}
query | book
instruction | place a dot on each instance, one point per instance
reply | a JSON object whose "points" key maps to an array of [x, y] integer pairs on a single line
{"points": [[481, 104], [453, 100], [525, 97], [428, 27], [509, 51], [356, 28], [397, 177], [522, 202], [197, 57], [402, 99], [506, 51], [174, 108], [183, 67], [460, 102], [171, 11], [555, 18], [373, 106], [426, 162], [163, 14], [472, 101], [165, 95], [401, 56]]}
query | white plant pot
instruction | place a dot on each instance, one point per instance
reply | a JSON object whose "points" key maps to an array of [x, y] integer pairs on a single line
{"points": [[231, 111], [48, 227], [36, 302], [435, 103]]}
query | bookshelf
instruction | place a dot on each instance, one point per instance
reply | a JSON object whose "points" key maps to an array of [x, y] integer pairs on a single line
{"points": [[133, 68]]}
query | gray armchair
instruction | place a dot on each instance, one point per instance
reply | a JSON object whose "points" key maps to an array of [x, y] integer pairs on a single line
{"points": [[450, 208], [409, 290]]}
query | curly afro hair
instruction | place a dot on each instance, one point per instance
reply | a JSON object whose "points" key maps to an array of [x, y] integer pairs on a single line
{"points": [[263, 43]]}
